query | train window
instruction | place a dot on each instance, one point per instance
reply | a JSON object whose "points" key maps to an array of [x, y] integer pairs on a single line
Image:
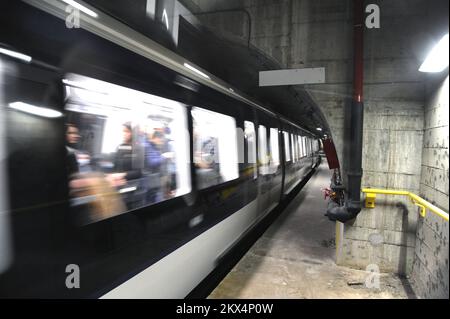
{"points": [[293, 151], [305, 151], [263, 153], [215, 147], [250, 137], [300, 146], [274, 149], [294, 145], [306, 146], [287, 148], [125, 149], [293, 148]]}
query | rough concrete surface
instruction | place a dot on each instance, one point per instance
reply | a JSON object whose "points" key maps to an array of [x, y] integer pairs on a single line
{"points": [[311, 33], [405, 127], [295, 258], [431, 266]]}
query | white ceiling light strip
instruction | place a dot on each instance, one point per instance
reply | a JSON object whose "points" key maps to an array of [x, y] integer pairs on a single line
{"points": [[16, 55]]}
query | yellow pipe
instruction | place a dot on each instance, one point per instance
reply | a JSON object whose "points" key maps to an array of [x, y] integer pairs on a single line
{"points": [[413, 197]]}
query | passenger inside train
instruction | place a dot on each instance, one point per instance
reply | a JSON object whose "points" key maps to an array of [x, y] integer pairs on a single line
{"points": [[121, 150]]}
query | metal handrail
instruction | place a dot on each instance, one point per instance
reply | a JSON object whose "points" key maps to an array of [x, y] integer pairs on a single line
{"points": [[417, 200]]}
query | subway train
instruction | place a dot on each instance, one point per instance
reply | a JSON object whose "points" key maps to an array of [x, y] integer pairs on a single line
{"points": [[125, 170]]}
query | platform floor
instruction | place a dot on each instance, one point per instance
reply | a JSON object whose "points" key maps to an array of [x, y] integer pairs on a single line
{"points": [[295, 258]]}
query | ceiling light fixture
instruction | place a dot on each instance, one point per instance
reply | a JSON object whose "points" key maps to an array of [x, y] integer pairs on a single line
{"points": [[437, 59]]}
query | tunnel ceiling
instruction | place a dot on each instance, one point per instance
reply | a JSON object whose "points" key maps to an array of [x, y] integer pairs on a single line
{"points": [[239, 64], [232, 60]]}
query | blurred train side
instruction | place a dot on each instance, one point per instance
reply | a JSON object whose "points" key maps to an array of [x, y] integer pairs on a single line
{"points": [[163, 250]]}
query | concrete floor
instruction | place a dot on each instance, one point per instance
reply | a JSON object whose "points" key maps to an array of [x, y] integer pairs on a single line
{"points": [[295, 258]]}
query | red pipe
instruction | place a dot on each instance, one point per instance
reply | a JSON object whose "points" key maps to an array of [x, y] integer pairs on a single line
{"points": [[358, 46]]}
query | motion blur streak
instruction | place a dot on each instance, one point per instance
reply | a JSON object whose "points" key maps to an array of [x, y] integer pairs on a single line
{"points": [[5, 253]]}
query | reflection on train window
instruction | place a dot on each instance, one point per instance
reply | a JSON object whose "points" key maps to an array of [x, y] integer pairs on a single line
{"points": [[305, 153], [125, 149], [215, 147], [263, 152], [287, 148], [293, 148], [316, 146], [300, 146], [274, 150], [305, 143], [250, 137], [308, 146]]}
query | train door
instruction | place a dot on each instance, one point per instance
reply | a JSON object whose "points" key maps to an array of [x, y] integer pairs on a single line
{"points": [[249, 167], [301, 162], [263, 170], [31, 178], [275, 165], [288, 162]]}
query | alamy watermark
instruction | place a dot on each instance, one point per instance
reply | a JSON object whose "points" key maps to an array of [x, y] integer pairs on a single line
{"points": [[373, 19], [373, 278], [72, 18], [73, 277]]}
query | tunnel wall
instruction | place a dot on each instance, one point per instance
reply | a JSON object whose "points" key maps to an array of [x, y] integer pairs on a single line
{"points": [[309, 33], [431, 268]]}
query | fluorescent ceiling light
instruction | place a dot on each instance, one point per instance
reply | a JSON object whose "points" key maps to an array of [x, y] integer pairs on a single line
{"points": [[80, 7], [16, 55], [190, 67], [437, 59], [35, 110]]}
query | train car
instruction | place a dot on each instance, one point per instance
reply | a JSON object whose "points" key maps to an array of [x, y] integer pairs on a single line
{"points": [[125, 170]]}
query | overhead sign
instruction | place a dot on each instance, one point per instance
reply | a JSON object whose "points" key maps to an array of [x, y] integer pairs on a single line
{"points": [[292, 77]]}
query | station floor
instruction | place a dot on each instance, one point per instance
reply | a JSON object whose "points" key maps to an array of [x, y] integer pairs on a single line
{"points": [[295, 258]]}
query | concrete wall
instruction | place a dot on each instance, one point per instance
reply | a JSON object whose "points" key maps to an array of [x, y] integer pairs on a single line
{"points": [[393, 136], [311, 33], [431, 269]]}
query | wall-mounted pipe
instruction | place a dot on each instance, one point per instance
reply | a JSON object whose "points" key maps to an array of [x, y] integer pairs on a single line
{"points": [[352, 203]]}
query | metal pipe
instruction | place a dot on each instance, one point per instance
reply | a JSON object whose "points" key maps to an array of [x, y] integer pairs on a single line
{"points": [[352, 203], [357, 111]]}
